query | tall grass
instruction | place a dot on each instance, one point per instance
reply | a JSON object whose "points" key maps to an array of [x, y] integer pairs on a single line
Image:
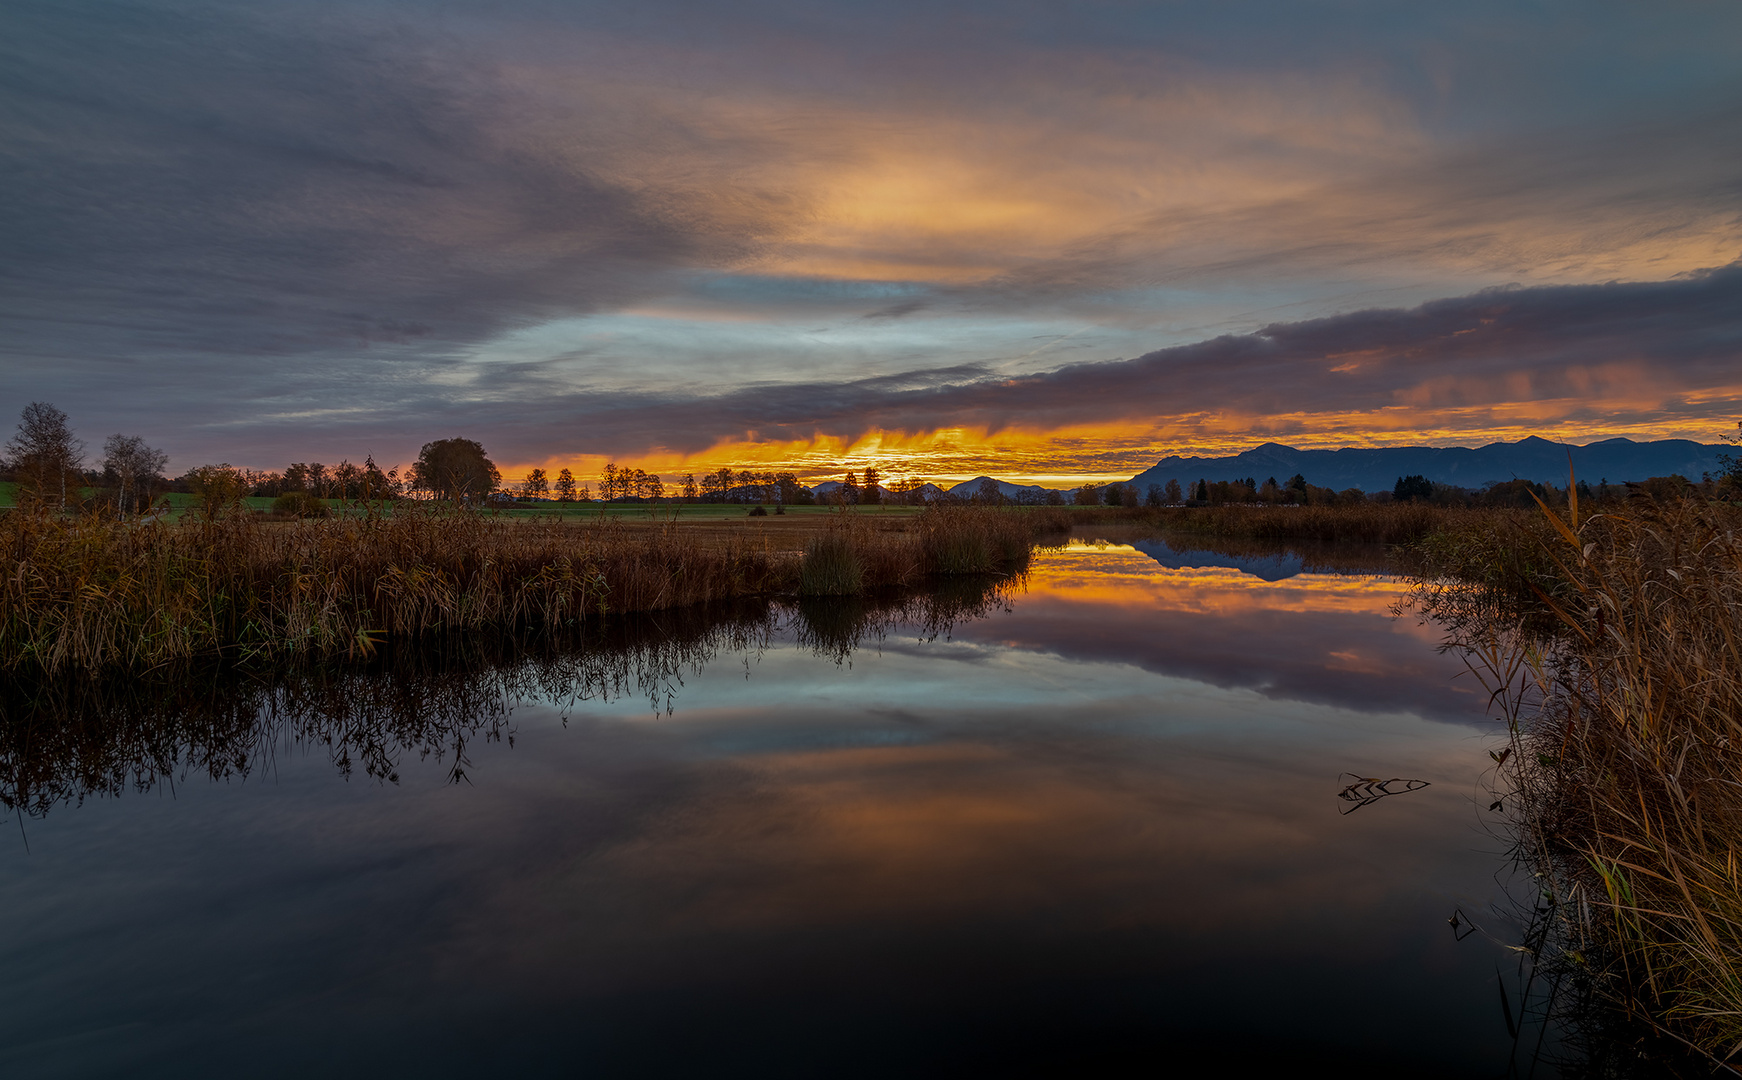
{"points": [[92, 594], [833, 565], [858, 554], [1615, 642]]}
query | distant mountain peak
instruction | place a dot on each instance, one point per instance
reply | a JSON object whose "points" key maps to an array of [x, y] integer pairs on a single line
{"points": [[1378, 468]]}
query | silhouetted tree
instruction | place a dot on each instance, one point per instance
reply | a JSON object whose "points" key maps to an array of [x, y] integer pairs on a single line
{"points": [[536, 485], [455, 469], [1173, 492], [1409, 488]]}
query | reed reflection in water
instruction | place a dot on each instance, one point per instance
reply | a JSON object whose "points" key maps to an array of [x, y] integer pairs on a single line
{"points": [[1040, 828]]}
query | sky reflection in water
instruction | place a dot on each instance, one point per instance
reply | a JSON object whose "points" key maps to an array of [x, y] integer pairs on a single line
{"points": [[1099, 828]]}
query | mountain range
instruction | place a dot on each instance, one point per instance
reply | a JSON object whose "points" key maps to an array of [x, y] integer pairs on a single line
{"points": [[967, 489], [1374, 469]]}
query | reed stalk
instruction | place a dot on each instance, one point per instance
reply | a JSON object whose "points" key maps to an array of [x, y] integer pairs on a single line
{"points": [[1614, 643]]}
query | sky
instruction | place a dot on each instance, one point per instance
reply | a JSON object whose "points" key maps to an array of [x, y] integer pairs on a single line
{"points": [[1049, 241]]}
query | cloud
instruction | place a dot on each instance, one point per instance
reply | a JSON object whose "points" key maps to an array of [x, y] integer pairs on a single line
{"points": [[246, 230], [210, 181], [1617, 353]]}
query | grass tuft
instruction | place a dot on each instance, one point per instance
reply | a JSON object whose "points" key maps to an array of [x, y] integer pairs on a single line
{"points": [[832, 566]]}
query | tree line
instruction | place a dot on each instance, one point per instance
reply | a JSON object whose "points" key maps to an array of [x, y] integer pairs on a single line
{"points": [[51, 467]]}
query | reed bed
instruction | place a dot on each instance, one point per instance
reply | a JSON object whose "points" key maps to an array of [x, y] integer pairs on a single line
{"points": [[855, 555], [93, 595], [1615, 644]]}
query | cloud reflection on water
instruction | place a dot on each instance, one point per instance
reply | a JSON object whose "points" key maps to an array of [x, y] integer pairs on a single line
{"points": [[1321, 638]]}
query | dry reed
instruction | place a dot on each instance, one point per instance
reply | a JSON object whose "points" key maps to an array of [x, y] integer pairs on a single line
{"points": [[1615, 643], [93, 595], [855, 554]]}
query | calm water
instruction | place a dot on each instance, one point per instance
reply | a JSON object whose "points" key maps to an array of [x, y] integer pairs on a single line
{"points": [[1094, 831]]}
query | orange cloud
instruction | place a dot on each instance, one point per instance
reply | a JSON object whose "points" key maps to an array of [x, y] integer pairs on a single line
{"points": [[1107, 453]]}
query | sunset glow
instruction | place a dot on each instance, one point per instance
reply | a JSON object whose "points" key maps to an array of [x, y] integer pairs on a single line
{"points": [[1047, 245]]}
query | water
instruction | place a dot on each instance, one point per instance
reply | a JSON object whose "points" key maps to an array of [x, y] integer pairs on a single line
{"points": [[1092, 828]]}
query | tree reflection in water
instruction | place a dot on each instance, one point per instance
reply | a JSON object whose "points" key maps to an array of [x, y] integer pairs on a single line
{"points": [[63, 741]]}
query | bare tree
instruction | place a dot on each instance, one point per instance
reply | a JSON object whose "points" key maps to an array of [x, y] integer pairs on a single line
{"points": [[43, 452], [135, 466]]}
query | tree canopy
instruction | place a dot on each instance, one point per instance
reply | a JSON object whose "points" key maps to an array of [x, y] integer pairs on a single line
{"points": [[455, 469]]}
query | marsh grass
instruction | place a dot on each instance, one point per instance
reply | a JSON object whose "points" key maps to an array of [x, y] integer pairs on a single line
{"points": [[833, 565], [94, 595], [857, 554], [1614, 644], [979, 540], [99, 595]]}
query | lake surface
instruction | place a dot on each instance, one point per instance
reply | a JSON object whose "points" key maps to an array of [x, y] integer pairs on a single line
{"points": [[1089, 827]]}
